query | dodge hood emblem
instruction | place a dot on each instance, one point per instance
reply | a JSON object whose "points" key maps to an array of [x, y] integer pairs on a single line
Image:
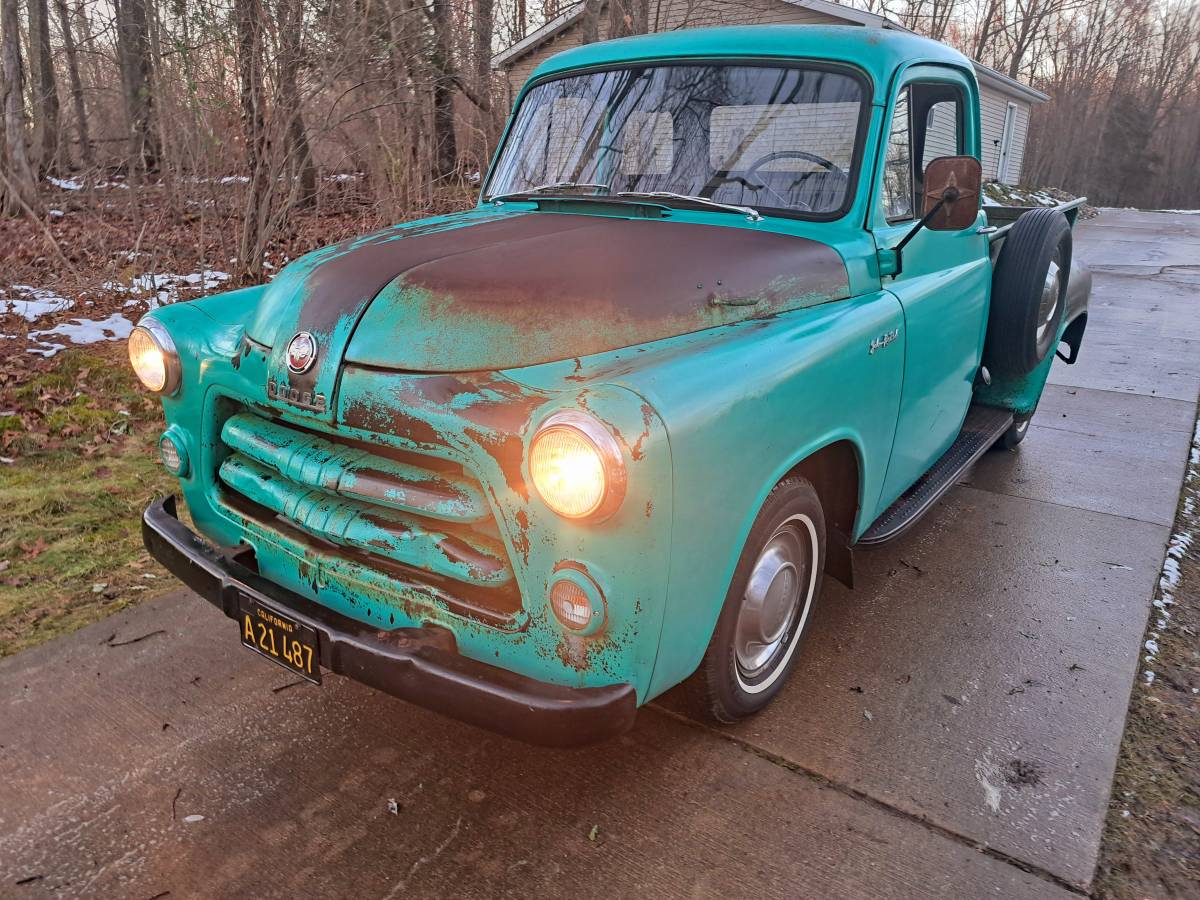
{"points": [[301, 352]]}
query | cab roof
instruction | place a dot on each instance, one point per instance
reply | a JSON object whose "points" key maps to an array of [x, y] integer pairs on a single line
{"points": [[877, 51]]}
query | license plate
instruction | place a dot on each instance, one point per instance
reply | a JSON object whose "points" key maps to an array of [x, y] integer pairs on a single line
{"points": [[280, 639]]}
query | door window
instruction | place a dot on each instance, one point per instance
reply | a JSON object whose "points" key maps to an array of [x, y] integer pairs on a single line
{"points": [[926, 123]]}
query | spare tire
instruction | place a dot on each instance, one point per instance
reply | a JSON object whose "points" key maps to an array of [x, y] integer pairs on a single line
{"points": [[1029, 293]]}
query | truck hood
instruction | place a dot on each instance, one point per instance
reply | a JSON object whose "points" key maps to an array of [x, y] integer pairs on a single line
{"points": [[498, 289]]}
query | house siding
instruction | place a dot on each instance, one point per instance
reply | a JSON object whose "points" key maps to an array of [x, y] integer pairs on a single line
{"points": [[672, 15], [993, 106]]}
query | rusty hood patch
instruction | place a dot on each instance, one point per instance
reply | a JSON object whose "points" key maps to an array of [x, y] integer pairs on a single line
{"points": [[492, 289], [590, 285]]}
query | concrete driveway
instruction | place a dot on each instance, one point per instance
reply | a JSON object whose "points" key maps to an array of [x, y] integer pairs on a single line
{"points": [[951, 730]]}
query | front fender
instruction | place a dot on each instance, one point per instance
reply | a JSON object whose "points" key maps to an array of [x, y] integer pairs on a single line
{"points": [[741, 411]]}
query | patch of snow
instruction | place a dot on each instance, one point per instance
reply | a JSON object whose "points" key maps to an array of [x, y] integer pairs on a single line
{"points": [[33, 303], [1149, 676], [47, 349], [1178, 212], [74, 184], [56, 213], [85, 331], [165, 287], [344, 176]]}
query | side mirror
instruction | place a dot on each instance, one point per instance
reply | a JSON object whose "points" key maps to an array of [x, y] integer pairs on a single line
{"points": [[950, 200]]}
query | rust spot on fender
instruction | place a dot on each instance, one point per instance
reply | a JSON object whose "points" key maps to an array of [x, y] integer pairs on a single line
{"points": [[508, 451], [521, 538], [636, 450]]}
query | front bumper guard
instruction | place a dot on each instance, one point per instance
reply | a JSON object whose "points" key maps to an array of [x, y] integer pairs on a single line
{"points": [[420, 665]]}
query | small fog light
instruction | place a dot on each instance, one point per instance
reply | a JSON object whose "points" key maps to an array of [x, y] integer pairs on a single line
{"points": [[174, 457], [577, 602]]}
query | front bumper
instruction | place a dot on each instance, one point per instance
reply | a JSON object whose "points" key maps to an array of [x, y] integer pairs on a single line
{"points": [[421, 665]]}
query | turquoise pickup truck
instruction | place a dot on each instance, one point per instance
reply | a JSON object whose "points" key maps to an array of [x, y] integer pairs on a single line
{"points": [[728, 308]]}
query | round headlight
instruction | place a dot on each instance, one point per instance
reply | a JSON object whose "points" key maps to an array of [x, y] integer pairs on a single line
{"points": [[576, 466], [153, 357]]}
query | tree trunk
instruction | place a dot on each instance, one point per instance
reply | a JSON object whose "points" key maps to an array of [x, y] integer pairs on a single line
{"points": [[484, 26], [627, 17], [86, 151], [250, 83], [589, 27], [133, 50], [299, 155], [18, 188], [442, 61], [45, 89]]}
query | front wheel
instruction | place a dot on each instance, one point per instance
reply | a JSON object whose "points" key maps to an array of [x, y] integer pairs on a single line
{"points": [[767, 609]]}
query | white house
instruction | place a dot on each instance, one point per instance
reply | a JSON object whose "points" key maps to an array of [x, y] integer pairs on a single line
{"points": [[1005, 102]]}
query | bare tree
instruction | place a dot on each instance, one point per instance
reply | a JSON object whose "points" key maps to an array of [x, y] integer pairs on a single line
{"points": [[133, 50], [441, 61], [248, 22], [299, 155], [19, 188], [45, 87], [71, 52]]}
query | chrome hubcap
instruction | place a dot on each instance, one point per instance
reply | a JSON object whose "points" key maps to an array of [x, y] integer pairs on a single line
{"points": [[778, 584], [1048, 308]]}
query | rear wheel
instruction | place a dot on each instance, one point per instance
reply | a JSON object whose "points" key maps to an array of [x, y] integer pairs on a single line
{"points": [[1029, 292], [1015, 434], [767, 609]]}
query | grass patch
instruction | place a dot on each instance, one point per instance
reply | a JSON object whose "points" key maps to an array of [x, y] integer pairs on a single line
{"points": [[82, 437]]}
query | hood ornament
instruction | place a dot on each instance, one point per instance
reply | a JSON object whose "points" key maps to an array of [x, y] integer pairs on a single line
{"points": [[301, 352]]}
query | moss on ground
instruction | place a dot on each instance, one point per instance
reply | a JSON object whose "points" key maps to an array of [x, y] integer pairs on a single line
{"points": [[82, 440]]}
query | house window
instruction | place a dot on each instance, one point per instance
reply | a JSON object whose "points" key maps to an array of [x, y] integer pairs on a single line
{"points": [[648, 144]]}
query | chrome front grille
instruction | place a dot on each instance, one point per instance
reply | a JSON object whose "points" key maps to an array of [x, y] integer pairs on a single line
{"points": [[410, 515]]}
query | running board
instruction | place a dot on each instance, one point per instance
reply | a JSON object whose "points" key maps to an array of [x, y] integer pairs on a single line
{"points": [[980, 430]]}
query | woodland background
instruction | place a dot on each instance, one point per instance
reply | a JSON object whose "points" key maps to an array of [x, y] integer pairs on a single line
{"points": [[392, 105]]}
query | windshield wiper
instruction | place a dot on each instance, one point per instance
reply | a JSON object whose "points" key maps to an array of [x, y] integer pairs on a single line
{"points": [[748, 211], [554, 186]]}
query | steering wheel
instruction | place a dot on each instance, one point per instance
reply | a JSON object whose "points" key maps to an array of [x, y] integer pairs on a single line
{"points": [[821, 161]]}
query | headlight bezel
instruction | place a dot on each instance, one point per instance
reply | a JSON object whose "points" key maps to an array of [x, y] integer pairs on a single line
{"points": [[161, 339], [602, 441]]}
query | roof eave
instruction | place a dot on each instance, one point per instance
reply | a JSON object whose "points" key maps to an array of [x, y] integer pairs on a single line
{"points": [[1006, 85], [545, 33]]}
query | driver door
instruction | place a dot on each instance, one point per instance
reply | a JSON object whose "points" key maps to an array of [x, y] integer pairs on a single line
{"points": [[943, 284]]}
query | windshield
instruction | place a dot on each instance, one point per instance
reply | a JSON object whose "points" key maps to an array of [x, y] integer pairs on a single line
{"points": [[771, 138]]}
